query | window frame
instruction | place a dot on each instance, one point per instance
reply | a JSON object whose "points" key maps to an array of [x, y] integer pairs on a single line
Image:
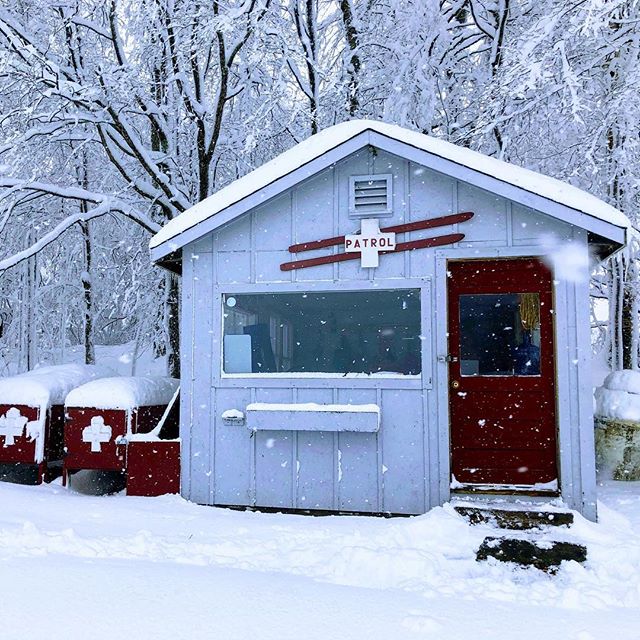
{"points": [[494, 375], [424, 380]]}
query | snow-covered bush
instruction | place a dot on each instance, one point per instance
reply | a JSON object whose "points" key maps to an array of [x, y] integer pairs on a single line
{"points": [[619, 396], [618, 432]]}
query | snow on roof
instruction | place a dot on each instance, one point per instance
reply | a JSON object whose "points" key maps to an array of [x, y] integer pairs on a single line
{"points": [[124, 392], [319, 144], [47, 386]]}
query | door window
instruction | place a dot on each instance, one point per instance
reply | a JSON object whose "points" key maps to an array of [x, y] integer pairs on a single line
{"points": [[500, 334]]}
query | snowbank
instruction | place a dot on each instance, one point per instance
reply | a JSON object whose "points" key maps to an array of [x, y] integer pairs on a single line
{"points": [[619, 396], [127, 359], [124, 392], [168, 569], [47, 386]]}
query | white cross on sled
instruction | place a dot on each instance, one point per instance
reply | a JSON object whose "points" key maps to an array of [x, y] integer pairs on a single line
{"points": [[96, 433], [370, 242], [12, 425]]}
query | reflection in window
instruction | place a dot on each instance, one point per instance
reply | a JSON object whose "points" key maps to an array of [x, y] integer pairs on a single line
{"points": [[500, 334], [343, 332]]}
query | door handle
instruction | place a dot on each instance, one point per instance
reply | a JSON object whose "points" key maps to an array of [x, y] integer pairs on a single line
{"points": [[448, 358]]}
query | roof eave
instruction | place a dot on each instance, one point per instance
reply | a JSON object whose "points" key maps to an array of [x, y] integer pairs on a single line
{"points": [[340, 151], [614, 233], [594, 225], [603, 248], [171, 261]]}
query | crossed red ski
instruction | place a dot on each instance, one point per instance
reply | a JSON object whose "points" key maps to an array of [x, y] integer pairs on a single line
{"points": [[401, 246], [442, 221]]}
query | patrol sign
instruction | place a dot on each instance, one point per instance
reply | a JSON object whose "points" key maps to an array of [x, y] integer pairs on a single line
{"points": [[369, 242]]}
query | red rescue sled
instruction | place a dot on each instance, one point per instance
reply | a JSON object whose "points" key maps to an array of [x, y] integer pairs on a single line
{"points": [[126, 424], [32, 419]]}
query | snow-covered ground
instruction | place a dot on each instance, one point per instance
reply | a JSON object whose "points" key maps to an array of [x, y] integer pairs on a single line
{"points": [[76, 566]]}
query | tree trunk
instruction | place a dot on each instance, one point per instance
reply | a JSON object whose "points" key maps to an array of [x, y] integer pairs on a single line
{"points": [[627, 272], [627, 328], [31, 333], [501, 16], [353, 66], [172, 322], [85, 276], [619, 354], [629, 312], [27, 339], [305, 20], [311, 65], [89, 347]]}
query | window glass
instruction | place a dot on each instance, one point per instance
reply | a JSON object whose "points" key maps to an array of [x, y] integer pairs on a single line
{"points": [[500, 334], [332, 332]]}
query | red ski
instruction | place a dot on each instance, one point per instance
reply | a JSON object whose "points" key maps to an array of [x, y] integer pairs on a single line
{"points": [[431, 223], [401, 246]]}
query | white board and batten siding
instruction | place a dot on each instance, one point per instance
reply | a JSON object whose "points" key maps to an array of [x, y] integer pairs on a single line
{"points": [[403, 466]]}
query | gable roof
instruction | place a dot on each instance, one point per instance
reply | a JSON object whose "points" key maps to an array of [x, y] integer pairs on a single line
{"points": [[542, 193]]}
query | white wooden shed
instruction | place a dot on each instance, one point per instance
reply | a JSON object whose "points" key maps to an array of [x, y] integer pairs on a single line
{"points": [[377, 320]]}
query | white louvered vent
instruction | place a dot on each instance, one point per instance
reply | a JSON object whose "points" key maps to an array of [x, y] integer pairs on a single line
{"points": [[370, 196]]}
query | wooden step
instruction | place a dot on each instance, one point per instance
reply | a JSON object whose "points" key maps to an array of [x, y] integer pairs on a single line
{"points": [[546, 556], [516, 520]]}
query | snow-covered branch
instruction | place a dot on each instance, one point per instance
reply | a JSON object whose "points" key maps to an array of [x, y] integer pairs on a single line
{"points": [[105, 207]]}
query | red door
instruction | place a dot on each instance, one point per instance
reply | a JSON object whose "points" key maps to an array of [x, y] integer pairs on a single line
{"points": [[501, 374]]}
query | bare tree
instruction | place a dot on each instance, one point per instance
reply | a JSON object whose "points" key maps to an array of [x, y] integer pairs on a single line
{"points": [[149, 95]]}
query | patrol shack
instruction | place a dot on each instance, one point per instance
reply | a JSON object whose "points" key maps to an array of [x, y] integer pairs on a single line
{"points": [[376, 321]]}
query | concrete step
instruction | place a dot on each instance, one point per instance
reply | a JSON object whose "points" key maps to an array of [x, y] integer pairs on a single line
{"points": [[544, 555], [516, 520]]}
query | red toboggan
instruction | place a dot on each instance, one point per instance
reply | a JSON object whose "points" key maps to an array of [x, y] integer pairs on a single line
{"points": [[32, 419], [126, 424]]}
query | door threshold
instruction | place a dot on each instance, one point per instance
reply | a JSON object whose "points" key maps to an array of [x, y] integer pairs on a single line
{"points": [[548, 489], [497, 491]]}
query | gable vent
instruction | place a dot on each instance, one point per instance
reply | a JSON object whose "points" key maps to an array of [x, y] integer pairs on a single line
{"points": [[370, 196]]}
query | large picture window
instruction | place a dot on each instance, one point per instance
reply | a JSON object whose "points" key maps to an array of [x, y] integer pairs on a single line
{"points": [[350, 332]]}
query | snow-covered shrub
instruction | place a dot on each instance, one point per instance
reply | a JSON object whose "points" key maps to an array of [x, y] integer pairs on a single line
{"points": [[619, 396]]}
